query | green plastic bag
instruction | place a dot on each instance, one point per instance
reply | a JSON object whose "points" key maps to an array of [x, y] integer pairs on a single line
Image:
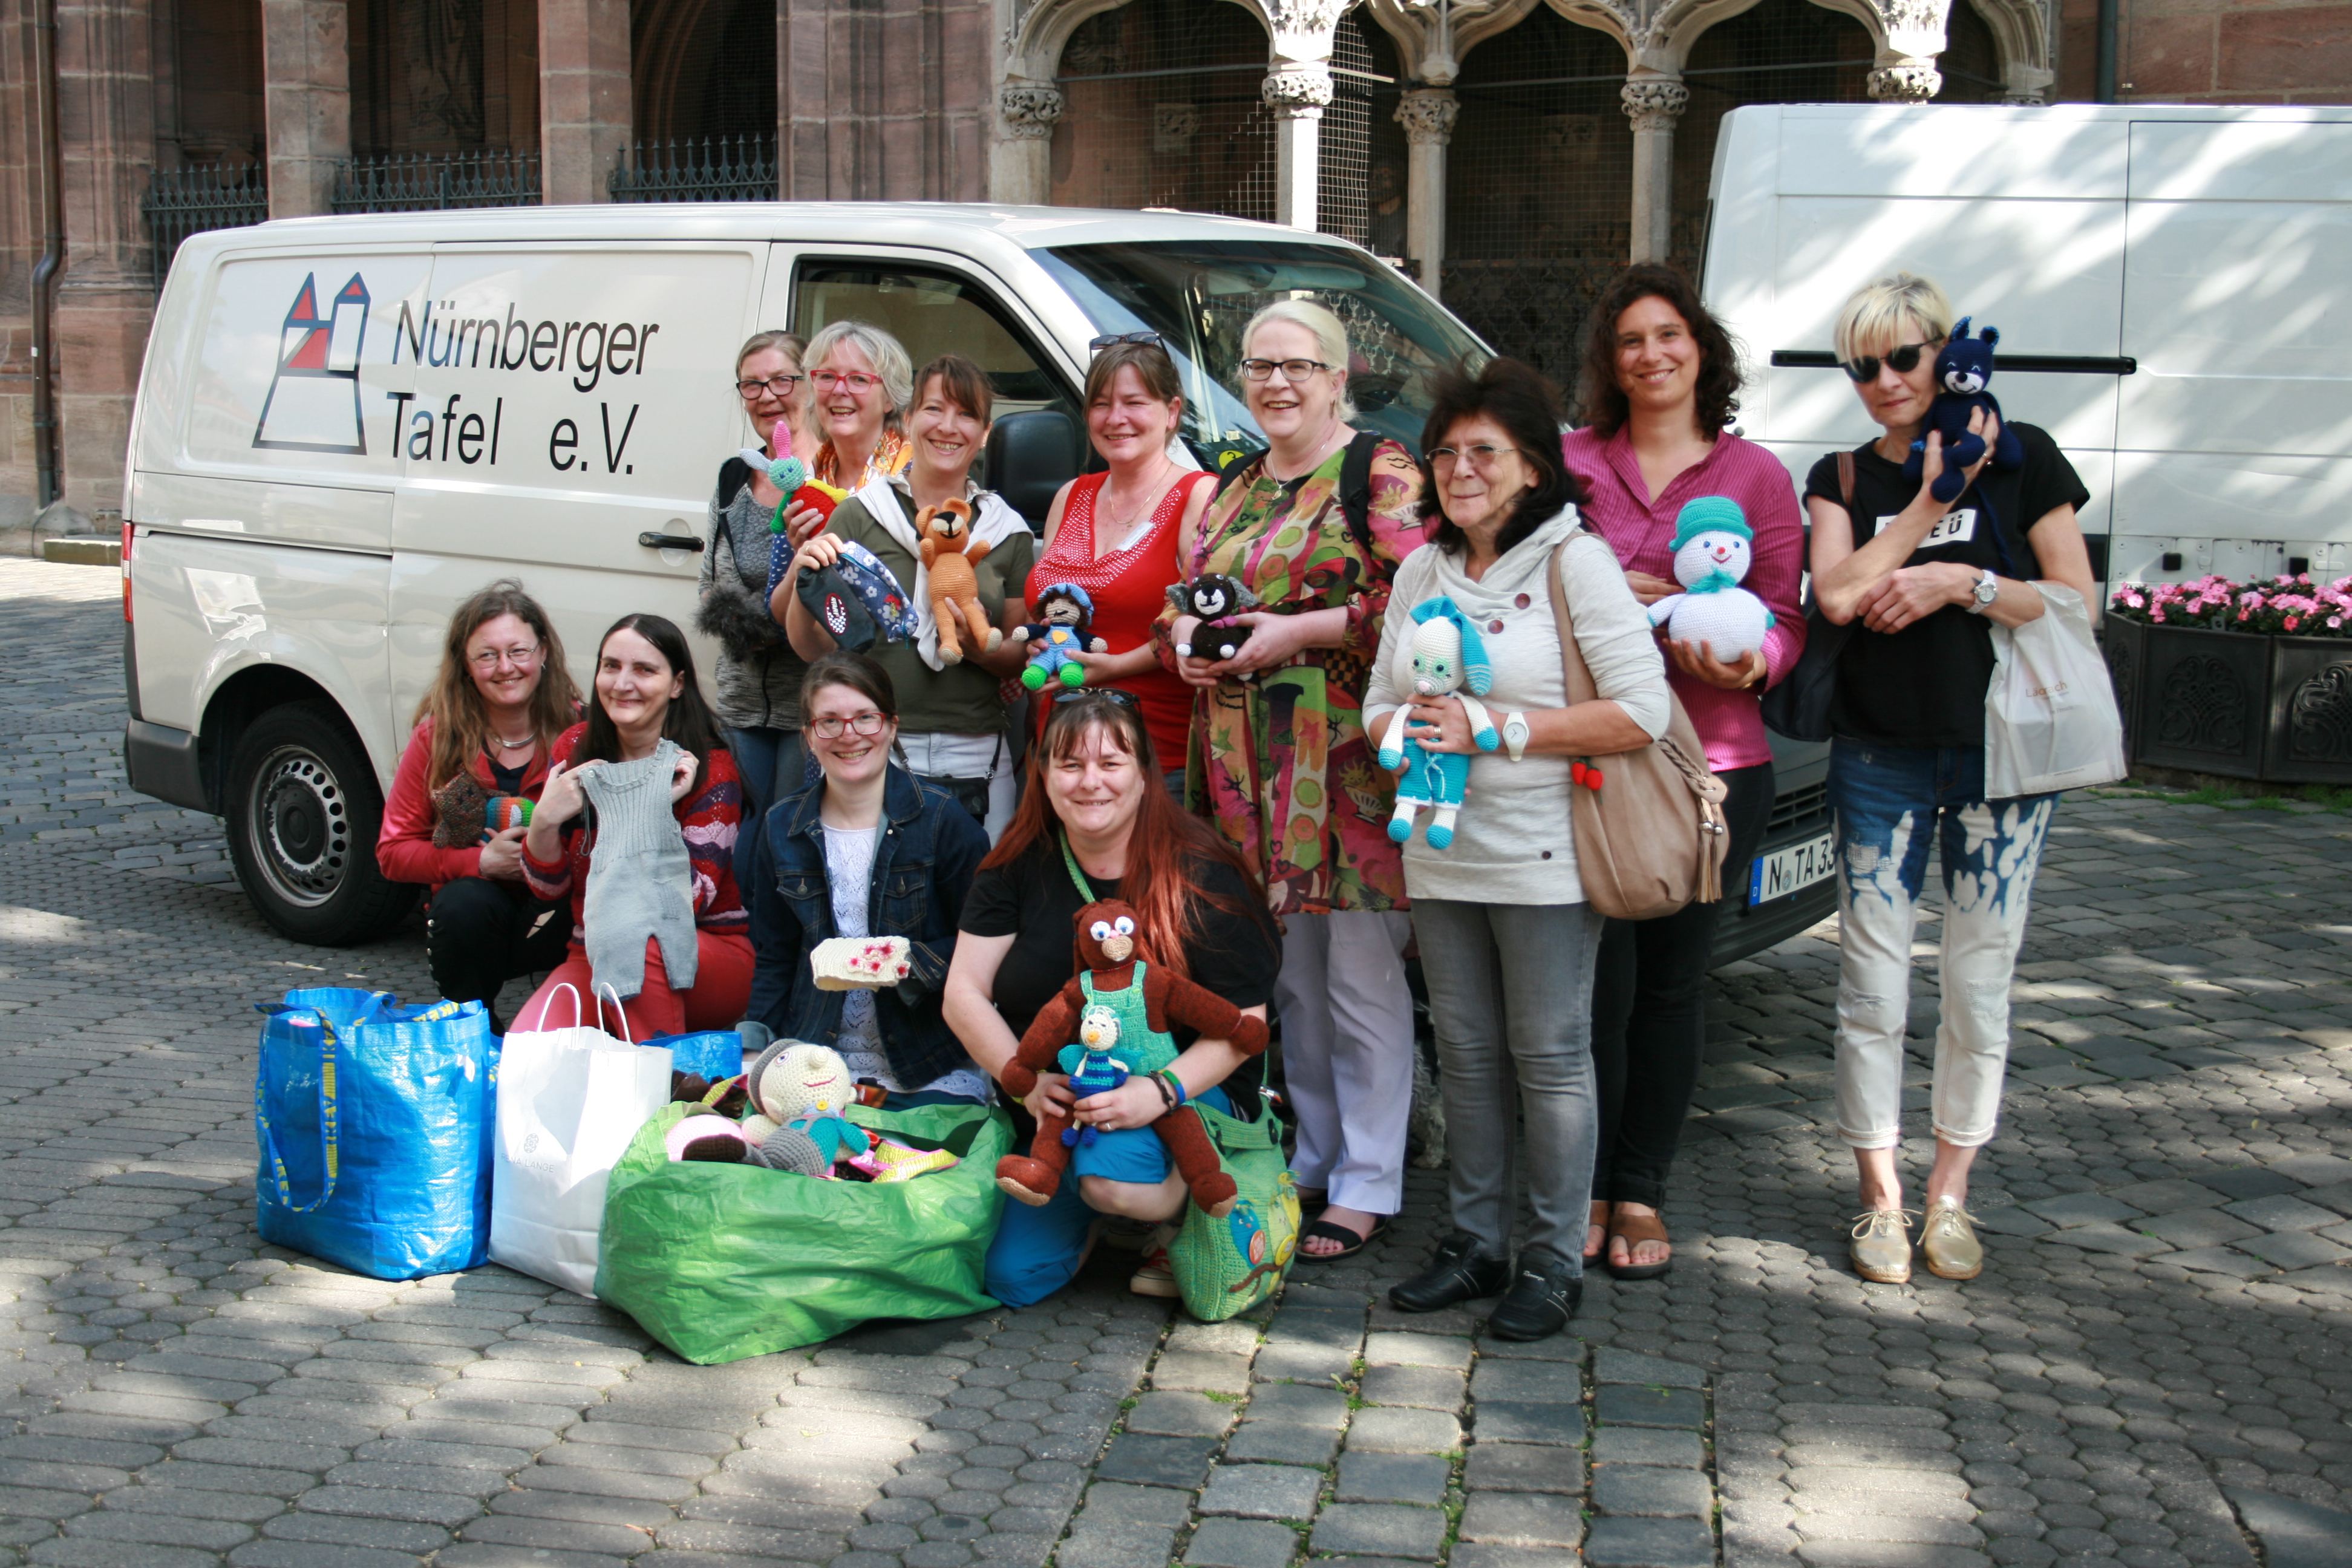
{"points": [[720, 1262], [1225, 1267]]}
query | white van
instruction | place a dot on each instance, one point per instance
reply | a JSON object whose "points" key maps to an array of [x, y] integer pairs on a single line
{"points": [[2173, 286], [345, 425]]}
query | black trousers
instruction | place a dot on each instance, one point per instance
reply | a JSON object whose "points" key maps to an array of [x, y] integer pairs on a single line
{"points": [[1649, 1013], [479, 935]]}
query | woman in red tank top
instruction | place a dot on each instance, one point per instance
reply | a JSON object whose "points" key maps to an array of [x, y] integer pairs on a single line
{"points": [[1120, 535]]}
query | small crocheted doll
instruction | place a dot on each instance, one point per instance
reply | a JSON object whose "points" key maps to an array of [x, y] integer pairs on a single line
{"points": [[1064, 612]]}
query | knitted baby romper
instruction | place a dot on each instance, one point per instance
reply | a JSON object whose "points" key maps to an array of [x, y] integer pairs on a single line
{"points": [[640, 884]]}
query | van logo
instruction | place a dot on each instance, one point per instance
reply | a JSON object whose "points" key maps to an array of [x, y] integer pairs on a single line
{"points": [[314, 398]]}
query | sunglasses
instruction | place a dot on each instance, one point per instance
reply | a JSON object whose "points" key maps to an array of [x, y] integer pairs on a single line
{"points": [[1105, 693], [1905, 359], [1112, 341]]}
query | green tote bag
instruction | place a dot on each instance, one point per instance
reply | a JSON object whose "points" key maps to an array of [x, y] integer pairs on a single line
{"points": [[1225, 1267]]}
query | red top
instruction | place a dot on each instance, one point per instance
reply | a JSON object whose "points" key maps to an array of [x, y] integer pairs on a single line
{"points": [[405, 847], [1129, 588], [1730, 724], [709, 818]]}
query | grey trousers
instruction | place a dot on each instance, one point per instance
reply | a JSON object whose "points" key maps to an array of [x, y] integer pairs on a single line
{"points": [[1511, 993]]}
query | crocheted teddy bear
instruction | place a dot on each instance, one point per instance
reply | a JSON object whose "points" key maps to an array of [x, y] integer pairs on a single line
{"points": [[1445, 657], [1963, 371], [950, 554]]}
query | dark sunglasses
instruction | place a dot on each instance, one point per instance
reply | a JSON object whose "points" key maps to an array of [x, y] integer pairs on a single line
{"points": [[1112, 341], [1088, 693], [1905, 359]]}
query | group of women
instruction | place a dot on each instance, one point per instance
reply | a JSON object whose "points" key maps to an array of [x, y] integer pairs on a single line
{"points": [[1239, 805]]}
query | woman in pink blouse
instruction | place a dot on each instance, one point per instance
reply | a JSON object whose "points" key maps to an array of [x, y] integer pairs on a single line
{"points": [[1659, 386]]}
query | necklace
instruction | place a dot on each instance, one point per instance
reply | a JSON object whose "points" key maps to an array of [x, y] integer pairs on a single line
{"points": [[1331, 441], [515, 745], [1124, 524]]}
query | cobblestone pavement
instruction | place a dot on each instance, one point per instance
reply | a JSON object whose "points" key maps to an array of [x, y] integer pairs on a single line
{"points": [[2153, 1368]]}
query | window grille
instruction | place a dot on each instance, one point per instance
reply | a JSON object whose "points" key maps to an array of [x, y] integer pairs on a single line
{"points": [[1360, 165], [707, 169], [182, 201], [431, 182], [1163, 111]]}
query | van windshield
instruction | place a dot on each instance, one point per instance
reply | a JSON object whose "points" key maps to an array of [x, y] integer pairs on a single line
{"points": [[1198, 295]]}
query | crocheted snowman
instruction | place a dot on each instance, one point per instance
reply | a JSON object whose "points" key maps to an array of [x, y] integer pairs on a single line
{"points": [[1711, 552]]}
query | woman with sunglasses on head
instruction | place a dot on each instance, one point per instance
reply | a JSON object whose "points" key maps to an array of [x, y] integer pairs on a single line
{"points": [[486, 728], [868, 849], [1661, 383], [1920, 582], [1281, 762], [1094, 824], [1115, 535], [758, 674]]}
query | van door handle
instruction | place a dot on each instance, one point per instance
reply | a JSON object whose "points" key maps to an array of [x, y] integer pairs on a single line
{"points": [[669, 542]]}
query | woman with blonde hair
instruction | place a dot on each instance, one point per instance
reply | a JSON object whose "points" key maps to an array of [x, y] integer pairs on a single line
{"points": [[485, 728], [1920, 582]]}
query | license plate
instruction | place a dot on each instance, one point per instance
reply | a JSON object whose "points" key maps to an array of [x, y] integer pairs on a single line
{"points": [[1782, 871]]}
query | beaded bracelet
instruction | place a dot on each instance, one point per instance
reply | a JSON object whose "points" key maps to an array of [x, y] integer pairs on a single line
{"points": [[1168, 1076]]}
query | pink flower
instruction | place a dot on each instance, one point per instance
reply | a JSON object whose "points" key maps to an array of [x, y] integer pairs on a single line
{"points": [[2157, 615], [2336, 622], [2293, 622]]}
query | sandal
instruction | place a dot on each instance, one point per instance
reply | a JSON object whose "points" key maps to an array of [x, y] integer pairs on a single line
{"points": [[1636, 1228], [1351, 1243], [1600, 1221]]}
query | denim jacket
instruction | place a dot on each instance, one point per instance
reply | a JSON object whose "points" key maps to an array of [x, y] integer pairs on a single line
{"points": [[923, 865]]}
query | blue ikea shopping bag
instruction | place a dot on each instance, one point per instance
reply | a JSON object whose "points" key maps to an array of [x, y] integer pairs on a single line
{"points": [[713, 1054], [375, 1123]]}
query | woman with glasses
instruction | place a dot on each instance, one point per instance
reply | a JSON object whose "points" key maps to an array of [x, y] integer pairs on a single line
{"points": [[1920, 582], [867, 849], [1507, 937], [1116, 535], [486, 728], [1661, 385], [758, 674], [952, 700], [1280, 762], [860, 382], [1094, 824]]}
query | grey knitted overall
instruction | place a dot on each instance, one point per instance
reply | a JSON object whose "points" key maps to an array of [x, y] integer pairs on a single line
{"points": [[639, 882]]}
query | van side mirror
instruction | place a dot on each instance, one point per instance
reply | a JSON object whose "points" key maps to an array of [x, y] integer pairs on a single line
{"points": [[1031, 456]]}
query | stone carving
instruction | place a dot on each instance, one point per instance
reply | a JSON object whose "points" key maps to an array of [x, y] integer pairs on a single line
{"points": [[1294, 90], [2203, 707], [1173, 125], [1428, 116], [1030, 111], [1654, 103], [2319, 718], [1913, 83], [1914, 16], [1306, 19]]}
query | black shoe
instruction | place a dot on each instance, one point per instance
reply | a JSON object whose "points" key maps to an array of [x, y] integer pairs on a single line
{"points": [[1542, 1298], [1459, 1272]]}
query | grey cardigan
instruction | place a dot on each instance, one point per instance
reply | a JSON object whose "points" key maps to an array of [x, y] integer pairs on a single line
{"points": [[763, 691]]}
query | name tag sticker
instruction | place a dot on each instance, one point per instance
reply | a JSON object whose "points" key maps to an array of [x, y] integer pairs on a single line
{"points": [[1954, 528]]}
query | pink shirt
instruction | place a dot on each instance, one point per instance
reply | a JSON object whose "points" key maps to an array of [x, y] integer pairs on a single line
{"points": [[1730, 724]]}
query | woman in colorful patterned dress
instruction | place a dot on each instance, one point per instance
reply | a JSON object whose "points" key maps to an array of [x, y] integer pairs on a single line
{"points": [[1279, 761]]}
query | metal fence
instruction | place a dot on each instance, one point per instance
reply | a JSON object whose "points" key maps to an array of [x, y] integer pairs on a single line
{"points": [[1532, 309], [699, 169], [182, 201], [432, 182]]}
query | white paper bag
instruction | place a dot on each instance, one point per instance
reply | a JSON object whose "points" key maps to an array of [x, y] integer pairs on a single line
{"points": [[569, 1102], [2050, 713]]}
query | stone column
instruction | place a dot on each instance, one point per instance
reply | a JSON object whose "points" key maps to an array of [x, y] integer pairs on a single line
{"points": [[1912, 37], [1427, 115], [1654, 103], [1021, 164], [306, 100], [2025, 84], [1298, 92], [583, 97], [1907, 80]]}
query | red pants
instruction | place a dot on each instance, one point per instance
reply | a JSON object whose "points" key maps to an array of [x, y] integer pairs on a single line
{"points": [[722, 988]]}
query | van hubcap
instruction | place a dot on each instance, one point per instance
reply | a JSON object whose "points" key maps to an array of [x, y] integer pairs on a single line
{"points": [[300, 827]]}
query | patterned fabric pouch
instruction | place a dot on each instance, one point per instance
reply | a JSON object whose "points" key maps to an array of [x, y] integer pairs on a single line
{"points": [[1225, 1267]]}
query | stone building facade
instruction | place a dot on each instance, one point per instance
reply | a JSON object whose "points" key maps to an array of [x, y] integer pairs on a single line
{"points": [[1507, 152]]}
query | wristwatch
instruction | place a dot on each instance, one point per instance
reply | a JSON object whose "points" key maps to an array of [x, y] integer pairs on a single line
{"points": [[1982, 596], [1515, 735]]}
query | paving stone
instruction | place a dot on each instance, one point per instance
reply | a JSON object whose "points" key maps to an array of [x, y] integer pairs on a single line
{"points": [[1417, 1478], [2241, 1182], [1526, 1467], [1502, 1421], [2167, 1196], [1619, 1406], [1147, 1460], [2281, 1212], [1524, 1381], [1469, 1555], [1651, 1544], [2219, 1260], [2293, 1249], [2080, 1209], [1280, 1443], [2111, 1239], [1237, 1543], [1611, 1365], [1392, 1349], [1400, 1431], [2196, 1227], [1523, 1518], [1430, 1387], [1310, 1362], [1201, 1373], [1647, 1446], [1383, 1530], [1296, 1404], [2014, 1222], [1180, 1414], [1651, 1490]]}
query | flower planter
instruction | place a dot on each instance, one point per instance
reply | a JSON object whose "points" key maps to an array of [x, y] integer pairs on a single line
{"points": [[2234, 704], [2310, 726]]}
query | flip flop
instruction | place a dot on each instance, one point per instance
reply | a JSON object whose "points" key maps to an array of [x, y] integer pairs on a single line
{"points": [[1636, 1228], [1600, 1216], [1352, 1244]]}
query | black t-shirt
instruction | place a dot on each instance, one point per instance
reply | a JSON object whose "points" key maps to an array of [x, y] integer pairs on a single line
{"points": [[1033, 901], [508, 780], [1925, 684]]}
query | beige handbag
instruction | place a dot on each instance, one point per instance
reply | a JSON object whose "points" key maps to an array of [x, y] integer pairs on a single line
{"points": [[1649, 834]]}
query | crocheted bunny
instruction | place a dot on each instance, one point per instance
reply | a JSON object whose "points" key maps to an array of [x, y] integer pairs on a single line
{"points": [[1711, 549], [1447, 655]]}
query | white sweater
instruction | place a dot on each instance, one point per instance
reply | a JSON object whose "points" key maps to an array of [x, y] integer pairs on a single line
{"points": [[1513, 843]]}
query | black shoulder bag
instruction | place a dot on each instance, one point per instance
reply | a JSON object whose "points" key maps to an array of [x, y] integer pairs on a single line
{"points": [[1801, 706]]}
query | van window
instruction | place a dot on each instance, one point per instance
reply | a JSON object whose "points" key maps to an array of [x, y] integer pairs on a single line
{"points": [[932, 312]]}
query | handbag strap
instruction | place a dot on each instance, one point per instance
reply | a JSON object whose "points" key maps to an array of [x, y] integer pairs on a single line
{"points": [[1575, 674], [330, 1136]]}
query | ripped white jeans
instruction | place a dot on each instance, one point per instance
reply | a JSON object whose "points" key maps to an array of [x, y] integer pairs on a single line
{"points": [[1892, 804]]}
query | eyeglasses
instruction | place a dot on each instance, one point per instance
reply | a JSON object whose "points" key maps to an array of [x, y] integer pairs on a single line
{"points": [[1905, 359], [1292, 369], [490, 658], [856, 380], [779, 386], [1112, 341], [867, 723], [1479, 456], [1124, 698]]}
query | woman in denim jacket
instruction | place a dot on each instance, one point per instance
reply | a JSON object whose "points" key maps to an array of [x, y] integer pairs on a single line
{"points": [[866, 850]]}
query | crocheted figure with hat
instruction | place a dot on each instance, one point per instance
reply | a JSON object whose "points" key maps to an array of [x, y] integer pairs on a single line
{"points": [[1711, 543]]}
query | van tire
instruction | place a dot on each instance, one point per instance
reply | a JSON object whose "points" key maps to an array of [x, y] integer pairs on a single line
{"points": [[303, 812]]}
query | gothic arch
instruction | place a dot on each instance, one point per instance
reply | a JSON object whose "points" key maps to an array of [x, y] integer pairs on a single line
{"points": [[1037, 37]]}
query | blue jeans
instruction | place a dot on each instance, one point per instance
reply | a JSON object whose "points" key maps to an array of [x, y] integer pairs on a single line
{"points": [[758, 754], [1892, 803]]}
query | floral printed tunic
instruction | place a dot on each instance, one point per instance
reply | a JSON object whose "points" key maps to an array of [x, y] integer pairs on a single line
{"points": [[1281, 764]]}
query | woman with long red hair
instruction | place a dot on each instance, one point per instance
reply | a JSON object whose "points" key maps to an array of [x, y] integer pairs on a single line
{"points": [[1095, 823]]}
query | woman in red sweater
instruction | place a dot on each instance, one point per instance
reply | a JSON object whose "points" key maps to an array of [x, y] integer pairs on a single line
{"points": [[646, 692], [1116, 535], [485, 728]]}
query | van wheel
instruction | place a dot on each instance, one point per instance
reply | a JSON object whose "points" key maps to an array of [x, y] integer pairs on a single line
{"points": [[303, 812]]}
